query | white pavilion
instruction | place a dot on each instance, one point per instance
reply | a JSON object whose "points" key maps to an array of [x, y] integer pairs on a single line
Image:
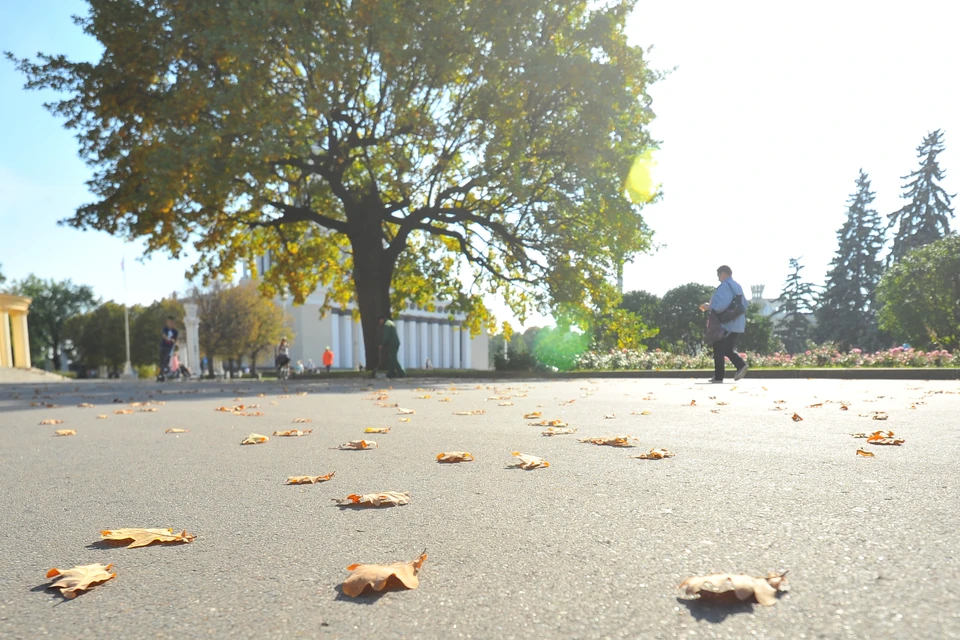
{"points": [[427, 338]]}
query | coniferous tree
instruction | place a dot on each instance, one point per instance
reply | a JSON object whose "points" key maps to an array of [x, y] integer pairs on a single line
{"points": [[926, 216], [847, 313], [796, 305]]}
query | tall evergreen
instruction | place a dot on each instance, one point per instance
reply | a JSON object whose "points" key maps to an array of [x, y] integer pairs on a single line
{"points": [[846, 313], [796, 305], [926, 216]]}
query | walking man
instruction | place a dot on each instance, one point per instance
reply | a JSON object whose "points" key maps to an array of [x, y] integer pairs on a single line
{"points": [[390, 348], [328, 359], [168, 340], [730, 308]]}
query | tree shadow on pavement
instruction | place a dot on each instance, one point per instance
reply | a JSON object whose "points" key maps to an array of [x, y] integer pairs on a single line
{"points": [[714, 611]]}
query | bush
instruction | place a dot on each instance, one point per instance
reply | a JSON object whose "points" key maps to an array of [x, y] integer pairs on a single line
{"points": [[825, 355], [147, 371]]}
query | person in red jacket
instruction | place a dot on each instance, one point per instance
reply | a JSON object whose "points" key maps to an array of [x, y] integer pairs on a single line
{"points": [[328, 359]]}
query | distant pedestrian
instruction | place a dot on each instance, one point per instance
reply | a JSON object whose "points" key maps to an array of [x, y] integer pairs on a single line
{"points": [[726, 323], [390, 348], [168, 340], [328, 359]]}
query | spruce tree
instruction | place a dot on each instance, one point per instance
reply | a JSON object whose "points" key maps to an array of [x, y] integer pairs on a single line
{"points": [[926, 216], [796, 305], [847, 313]]}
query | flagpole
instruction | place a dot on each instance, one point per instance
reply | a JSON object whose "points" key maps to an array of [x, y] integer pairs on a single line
{"points": [[127, 368]]}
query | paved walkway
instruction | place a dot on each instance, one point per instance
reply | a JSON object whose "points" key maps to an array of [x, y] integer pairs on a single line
{"points": [[592, 547]]}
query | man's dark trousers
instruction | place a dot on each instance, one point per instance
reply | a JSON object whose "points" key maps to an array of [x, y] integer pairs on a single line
{"points": [[725, 348]]}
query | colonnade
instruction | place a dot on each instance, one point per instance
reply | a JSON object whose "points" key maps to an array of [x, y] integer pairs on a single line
{"points": [[444, 343], [14, 335]]}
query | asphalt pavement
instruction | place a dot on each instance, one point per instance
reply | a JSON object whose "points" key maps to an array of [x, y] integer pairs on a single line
{"points": [[593, 546]]}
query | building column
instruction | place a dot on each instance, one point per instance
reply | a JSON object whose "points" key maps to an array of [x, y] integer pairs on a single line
{"points": [[445, 355], [20, 339], [424, 351], [435, 344], [360, 349], [6, 347], [346, 340], [191, 323], [413, 359], [403, 348], [467, 349], [457, 363], [335, 339]]}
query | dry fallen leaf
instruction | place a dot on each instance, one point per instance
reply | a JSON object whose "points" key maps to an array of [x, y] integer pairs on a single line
{"points": [[149, 410], [860, 435], [377, 430], [533, 415], [455, 456], [123, 412], [693, 403], [557, 431], [423, 397], [255, 438], [655, 454], [382, 499], [551, 423], [865, 454], [143, 537], [51, 421], [85, 405], [357, 445], [446, 399], [568, 402], [404, 419], [405, 412], [310, 479], [714, 410], [880, 415], [884, 437], [815, 406], [743, 587], [177, 431], [293, 433], [796, 418], [378, 576], [611, 441], [505, 404], [65, 432], [474, 412], [609, 416], [80, 578], [102, 416], [527, 461], [844, 407], [779, 402], [302, 420]]}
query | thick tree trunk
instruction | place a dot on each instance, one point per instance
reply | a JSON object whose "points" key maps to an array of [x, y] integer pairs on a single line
{"points": [[372, 275]]}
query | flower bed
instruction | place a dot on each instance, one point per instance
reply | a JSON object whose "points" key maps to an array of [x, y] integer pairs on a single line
{"points": [[825, 355]]}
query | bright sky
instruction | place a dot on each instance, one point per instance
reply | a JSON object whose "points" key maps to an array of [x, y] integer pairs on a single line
{"points": [[764, 124]]}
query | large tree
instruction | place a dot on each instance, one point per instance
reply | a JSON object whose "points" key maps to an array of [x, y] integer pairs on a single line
{"points": [[926, 216], [759, 335], [920, 296], [797, 303], [443, 148], [54, 302], [846, 313], [97, 336], [259, 322], [682, 324]]}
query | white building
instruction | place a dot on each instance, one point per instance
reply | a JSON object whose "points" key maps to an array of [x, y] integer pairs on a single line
{"points": [[424, 335]]}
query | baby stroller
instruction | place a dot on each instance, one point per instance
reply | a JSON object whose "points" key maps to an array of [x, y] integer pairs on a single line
{"points": [[283, 367]]}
